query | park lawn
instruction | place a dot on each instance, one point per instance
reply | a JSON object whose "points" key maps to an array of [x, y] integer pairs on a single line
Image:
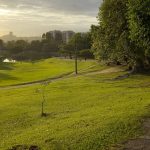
{"points": [[22, 72], [86, 112]]}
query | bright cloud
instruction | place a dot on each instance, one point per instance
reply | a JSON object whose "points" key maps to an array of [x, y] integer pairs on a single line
{"points": [[26, 17]]}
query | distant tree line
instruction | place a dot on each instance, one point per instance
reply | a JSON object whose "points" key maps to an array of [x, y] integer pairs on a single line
{"points": [[49, 46], [80, 42], [123, 33]]}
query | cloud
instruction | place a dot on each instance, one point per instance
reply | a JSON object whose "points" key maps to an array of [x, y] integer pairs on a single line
{"points": [[42, 15], [72, 6]]}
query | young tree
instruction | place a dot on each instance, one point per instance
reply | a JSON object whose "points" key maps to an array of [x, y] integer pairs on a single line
{"points": [[42, 91]]}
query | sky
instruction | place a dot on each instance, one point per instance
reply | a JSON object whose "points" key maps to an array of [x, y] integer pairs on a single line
{"points": [[34, 17]]}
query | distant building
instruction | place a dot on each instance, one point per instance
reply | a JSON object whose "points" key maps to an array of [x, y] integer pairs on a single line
{"points": [[65, 36], [9, 37], [12, 37], [57, 35]]}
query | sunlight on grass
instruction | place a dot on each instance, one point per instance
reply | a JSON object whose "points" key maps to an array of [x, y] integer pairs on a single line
{"points": [[84, 112], [21, 72]]}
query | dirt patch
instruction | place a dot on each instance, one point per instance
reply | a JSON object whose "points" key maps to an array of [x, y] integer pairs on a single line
{"points": [[122, 77], [106, 71], [140, 143]]}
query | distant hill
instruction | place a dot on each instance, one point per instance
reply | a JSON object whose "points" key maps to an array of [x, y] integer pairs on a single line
{"points": [[12, 37]]}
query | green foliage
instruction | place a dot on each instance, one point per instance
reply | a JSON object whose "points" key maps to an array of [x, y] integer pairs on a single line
{"points": [[139, 19], [51, 45], [139, 23], [23, 50], [86, 53], [1, 50], [67, 49], [79, 42], [1, 44], [111, 36], [123, 33]]}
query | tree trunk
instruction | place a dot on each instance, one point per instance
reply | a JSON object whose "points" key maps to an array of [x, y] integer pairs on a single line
{"points": [[139, 66]]}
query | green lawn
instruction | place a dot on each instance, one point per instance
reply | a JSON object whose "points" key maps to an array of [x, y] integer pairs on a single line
{"points": [[87, 112], [21, 72]]}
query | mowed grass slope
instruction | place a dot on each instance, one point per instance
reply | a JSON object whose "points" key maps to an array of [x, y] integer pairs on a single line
{"points": [[86, 112], [22, 72]]}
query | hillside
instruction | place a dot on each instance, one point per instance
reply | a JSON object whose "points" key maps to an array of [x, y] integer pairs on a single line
{"points": [[88, 111], [22, 72]]}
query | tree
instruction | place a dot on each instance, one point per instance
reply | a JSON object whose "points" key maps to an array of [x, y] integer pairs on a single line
{"points": [[77, 42], [139, 24], [110, 38], [36, 46], [123, 33], [42, 91], [16, 49], [66, 49], [51, 42], [1, 44], [1, 50], [86, 53]]}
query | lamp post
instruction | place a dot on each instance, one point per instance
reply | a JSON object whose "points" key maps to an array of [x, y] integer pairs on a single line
{"points": [[76, 58]]}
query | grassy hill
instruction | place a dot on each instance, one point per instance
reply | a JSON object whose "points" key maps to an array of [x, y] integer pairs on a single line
{"points": [[88, 111], [21, 72]]}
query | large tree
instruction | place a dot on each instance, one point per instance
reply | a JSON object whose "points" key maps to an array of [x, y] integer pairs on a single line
{"points": [[111, 42], [139, 23], [123, 33]]}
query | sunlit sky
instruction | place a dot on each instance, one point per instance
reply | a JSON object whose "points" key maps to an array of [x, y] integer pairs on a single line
{"points": [[34, 17]]}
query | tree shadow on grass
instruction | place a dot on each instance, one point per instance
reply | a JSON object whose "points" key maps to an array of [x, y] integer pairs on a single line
{"points": [[25, 147], [4, 76], [6, 66]]}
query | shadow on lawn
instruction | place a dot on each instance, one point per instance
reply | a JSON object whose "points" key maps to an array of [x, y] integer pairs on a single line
{"points": [[24, 147], [6, 66], [4, 76]]}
